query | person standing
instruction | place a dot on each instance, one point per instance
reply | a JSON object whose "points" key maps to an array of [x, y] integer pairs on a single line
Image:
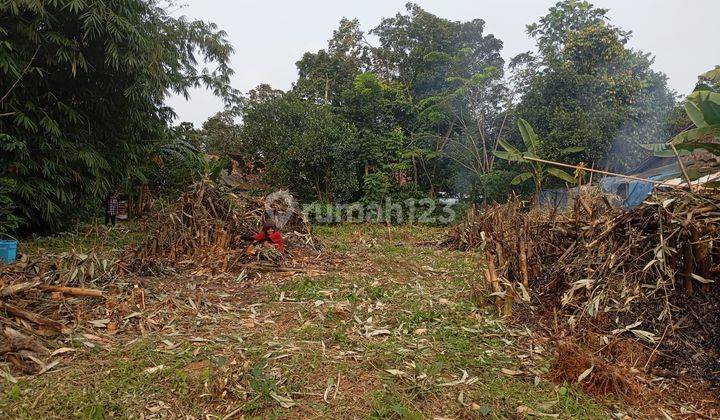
{"points": [[111, 208]]}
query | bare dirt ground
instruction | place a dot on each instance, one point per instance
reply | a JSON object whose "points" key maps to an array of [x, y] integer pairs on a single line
{"points": [[387, 329]]}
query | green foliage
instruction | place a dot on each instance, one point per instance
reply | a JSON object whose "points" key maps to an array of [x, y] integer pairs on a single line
{"points": [[303, 146], [325, 74], [703, 109], [377, 187], [9, 221], [379, 111], [220, 135], [494, 186], [710, 80], [174, 163], [585, 88], [83, 86], [451, 71], [537, 171]]}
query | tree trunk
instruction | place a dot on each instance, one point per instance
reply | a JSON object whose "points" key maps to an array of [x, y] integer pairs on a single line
{"points": [[327, 91]]}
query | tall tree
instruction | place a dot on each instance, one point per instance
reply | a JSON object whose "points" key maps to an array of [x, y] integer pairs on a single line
{"points": [[378, 111], [82, 88], [326, 73], [220, 135], [587, 89], [431, 56]]}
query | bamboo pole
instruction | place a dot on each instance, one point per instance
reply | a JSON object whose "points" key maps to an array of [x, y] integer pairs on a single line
{"points": [[32, 317], [18, 288], [599, 171], [74, 291], [682, 166]]}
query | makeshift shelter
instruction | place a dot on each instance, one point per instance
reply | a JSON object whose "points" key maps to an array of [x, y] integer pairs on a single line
{"points": [[701, 168]]}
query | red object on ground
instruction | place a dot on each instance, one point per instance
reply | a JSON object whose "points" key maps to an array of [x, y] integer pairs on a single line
{"points": [[275, 238]]}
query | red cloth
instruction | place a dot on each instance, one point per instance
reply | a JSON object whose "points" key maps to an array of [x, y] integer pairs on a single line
{"points": [[275, 238]]}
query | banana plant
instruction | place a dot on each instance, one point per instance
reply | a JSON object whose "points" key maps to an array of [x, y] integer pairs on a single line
{"points": [[703, 108], [537, 171]]}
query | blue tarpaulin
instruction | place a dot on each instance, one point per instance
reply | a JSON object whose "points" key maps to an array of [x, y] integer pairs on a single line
{"points": [[631, 192]]}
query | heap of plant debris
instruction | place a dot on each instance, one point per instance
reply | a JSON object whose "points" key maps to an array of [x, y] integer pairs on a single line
{"points": [[49, 301], [605, 275], [45, 299], [212, 227]]}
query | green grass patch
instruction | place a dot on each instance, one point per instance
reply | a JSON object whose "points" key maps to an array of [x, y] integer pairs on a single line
{"points": [[85, 238]]}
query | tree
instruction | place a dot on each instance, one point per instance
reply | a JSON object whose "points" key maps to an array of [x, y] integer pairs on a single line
{"points": [[408, 44], [475, 106], [379, 111], [83, 87], [263, 92], [537, 171], [326, 73], [587, 89], [431, 56], [220, 135], [303, 146]]}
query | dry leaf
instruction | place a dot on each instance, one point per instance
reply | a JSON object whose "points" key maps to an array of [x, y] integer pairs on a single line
{"points": [[284, 402], [154, 369], [62, 350], [511, 372], [585, 373], [379, 332]]}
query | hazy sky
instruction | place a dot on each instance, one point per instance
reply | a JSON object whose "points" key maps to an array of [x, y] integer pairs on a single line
{"points": [[270, 36]]}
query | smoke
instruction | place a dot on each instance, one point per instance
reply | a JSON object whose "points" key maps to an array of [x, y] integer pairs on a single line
{"points": [[648, 121]]}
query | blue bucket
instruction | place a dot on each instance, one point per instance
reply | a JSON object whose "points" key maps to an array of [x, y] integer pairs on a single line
{"points": [[8, 251]]}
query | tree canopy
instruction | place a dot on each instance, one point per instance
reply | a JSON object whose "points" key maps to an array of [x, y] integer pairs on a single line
{"points": [[585, 88], [424, 105], [83, 91]]}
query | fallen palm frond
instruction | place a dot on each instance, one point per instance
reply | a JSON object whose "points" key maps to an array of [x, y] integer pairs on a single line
{"points": [[646, 274]]}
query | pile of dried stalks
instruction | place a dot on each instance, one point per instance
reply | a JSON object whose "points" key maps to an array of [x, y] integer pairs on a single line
{"points": [[209, 226], [43, 299], [47, 301], [607, 274]]}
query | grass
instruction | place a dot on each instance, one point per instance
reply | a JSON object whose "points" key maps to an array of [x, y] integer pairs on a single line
{"points": [[84, 238], [394, 326], [102, 385]]}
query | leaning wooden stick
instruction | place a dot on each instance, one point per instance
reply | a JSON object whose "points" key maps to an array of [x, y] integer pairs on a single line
{"points": [[636, 178], [31, 316]]}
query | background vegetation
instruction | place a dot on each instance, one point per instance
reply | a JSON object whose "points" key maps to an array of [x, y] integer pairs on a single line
{"points": [[419, 106]]}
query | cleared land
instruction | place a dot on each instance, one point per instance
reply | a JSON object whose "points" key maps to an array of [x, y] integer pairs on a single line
{"points": [[387, 331]]}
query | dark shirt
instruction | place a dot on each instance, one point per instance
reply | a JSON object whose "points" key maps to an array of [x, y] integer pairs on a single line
{"points": [[111, 206]]}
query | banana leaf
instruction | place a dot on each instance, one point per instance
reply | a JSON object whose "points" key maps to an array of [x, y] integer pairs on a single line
{"points": [[531, 140], [559, 173], [521, 178]]}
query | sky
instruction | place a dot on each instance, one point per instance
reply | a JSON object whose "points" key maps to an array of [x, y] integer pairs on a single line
{"points": [[270, 36]]}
